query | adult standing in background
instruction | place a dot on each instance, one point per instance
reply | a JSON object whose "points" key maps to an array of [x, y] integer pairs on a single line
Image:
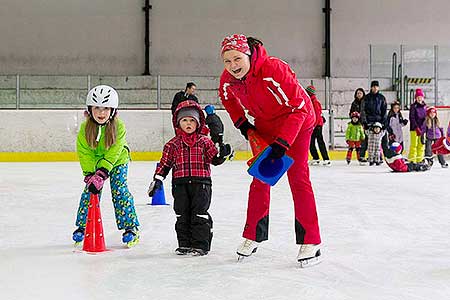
{"points": [[188, 94], [357, 102], [373, 109], [356, 106], [284, 117]]}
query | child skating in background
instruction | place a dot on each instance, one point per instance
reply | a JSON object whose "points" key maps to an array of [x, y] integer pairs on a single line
{"points": [[189, 155], [442, 145], [434, 132], [317, 132], [395, 122], [216, 131], [395, 160], [103, 153], [374, 143], [354, 136]]}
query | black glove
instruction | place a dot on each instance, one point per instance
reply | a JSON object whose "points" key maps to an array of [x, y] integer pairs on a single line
{"points": [[324, 120], [277, 151], [224, 150], [366, 126], [154, 186], [245, 126], [405, 121], [392, 137]]}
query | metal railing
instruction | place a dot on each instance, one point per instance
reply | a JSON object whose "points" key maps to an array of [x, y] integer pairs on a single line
{"points": [[69, 92]]}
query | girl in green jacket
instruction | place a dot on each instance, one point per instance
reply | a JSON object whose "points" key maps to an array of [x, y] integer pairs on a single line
{"points": [[103, 153]]}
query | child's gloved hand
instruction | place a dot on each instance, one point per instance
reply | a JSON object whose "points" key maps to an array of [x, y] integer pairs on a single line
{"points": [[88, 177], [418, 131], [277, 151], [95, 183], [154, 186], [392, 137]]}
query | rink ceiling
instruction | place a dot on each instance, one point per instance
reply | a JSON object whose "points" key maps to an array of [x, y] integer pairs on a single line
{"points": [[107, 37]]}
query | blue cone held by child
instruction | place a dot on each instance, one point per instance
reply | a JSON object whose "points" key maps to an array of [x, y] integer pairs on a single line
{"points": [[159, 198]]}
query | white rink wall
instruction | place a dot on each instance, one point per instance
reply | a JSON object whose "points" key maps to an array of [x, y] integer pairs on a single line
{"points": [[56, 130], [147, 131]]}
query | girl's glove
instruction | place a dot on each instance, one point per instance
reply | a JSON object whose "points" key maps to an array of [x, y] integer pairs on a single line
{"points": [[88, 177], [95, 183], [418, 131], [154, 186]]}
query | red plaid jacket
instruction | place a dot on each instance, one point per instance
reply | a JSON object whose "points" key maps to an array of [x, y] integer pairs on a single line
{"points": [[188, 164]]}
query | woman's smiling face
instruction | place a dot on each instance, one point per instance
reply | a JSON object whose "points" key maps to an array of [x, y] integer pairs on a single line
{"points": [[236, 63]]}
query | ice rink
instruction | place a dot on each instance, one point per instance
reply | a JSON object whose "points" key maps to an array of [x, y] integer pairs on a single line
{"points": [[385, 236]]}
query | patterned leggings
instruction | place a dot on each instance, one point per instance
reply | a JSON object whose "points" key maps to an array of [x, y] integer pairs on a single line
{"points": [[122, 199]]}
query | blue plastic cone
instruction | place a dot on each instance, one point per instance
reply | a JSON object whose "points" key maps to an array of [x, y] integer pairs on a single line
{"points": [[269, 170], [159, 198]]}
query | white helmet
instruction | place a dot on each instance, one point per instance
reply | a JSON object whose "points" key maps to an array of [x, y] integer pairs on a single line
{"points": [[102, 96]]}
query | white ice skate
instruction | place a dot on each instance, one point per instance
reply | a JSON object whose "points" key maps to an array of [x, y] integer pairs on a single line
{"points": [[246, 248], [326, 163], [309, 255], [314, 162]]}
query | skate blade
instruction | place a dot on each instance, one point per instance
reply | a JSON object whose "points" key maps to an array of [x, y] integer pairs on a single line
{"points": [[242, 256], [309, 262]]}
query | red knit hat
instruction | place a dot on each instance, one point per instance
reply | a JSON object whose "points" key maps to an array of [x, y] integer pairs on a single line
{"points": [[235, 42], [311, 90]]}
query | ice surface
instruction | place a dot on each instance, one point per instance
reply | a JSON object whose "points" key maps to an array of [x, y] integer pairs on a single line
{"points": [[385, 236]]}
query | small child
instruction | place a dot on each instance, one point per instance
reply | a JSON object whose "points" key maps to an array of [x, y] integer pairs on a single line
{"points": [[442, 145], [354, 136], [395, 160], [216, 130], [374, 143], [104, 153], [189, 155], [434, 132], [395, 122]]}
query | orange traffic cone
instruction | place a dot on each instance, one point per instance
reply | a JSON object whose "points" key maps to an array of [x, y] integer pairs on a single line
{"points": [[257, 144], [94, 240]]}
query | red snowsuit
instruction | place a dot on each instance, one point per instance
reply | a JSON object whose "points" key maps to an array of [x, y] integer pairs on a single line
{"points": [[284, 114], [317, 110]]}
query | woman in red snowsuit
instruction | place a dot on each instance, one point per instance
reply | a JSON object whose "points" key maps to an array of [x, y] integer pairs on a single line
{"points": [[284, 116]]}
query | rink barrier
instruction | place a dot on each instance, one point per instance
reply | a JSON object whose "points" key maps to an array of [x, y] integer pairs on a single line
{"points": [[135, 156]]}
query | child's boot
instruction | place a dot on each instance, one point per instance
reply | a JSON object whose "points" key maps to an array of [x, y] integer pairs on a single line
{"points": [[78, 235], [131, 237]]}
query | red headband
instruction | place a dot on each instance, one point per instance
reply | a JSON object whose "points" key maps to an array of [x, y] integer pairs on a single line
{"points": [[236, 42]]}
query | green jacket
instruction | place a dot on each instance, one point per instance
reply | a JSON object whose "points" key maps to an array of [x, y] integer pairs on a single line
{"points": [[355, 132], [92, 159]]}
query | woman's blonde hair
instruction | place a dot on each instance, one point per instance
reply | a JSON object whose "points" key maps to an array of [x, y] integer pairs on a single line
{"points": [[429, 121], [92, 131]]}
